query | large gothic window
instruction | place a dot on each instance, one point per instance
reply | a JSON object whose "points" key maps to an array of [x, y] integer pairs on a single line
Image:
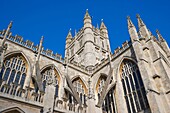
{"points": [[14, 70], [48, 74], [80, 88], [134, 91], [108, 105]]}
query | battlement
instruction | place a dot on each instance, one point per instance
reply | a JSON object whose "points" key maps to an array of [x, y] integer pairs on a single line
{"points": [[30, 45]]}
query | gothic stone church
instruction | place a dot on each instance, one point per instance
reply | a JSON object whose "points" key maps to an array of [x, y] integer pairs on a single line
{"points": [[135, 78]]}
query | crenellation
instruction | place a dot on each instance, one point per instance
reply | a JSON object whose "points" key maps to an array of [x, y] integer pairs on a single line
{"points": [[91, 79], [49, 52], [29, 43], [125, 44], [117, 50]]}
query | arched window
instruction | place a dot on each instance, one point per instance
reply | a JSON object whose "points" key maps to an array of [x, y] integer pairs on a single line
{"points": [[108, 105], [14, 70], [79, 87], [49, 73], [134, 91]]}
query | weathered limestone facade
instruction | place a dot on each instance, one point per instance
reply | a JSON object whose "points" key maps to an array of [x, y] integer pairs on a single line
{"points": [[90, 78]]}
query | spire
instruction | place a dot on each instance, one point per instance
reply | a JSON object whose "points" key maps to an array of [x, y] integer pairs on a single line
{"points": [[87, 16], [102, 26], [6, 33], [130, 24], [40, 48], [68, 39], [69, 36], [87, 20], [160, 38], [140, 22]]}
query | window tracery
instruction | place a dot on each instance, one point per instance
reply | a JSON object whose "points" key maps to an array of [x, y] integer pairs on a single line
{"points": [[108, 105], [80, 90], [46, 75], [14, 70], [134, 91]]}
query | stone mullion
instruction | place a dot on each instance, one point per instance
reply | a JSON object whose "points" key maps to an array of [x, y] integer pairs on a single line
{"points": [[127, 94], [15, 63], [107, 103], [4, 71], [129, 72], [20, 78], [131, 92], [16, 71], [15, 75], [9, 75], [140, 88], [135, 89], [114, 100]]}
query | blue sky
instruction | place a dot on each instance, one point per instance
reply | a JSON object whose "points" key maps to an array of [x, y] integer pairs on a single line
{"points": [[53, 18]]}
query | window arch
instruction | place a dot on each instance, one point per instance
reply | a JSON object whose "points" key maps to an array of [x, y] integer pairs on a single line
{"points": [[108, 105], [80, 89], [49, 73], [134, 91], [14, 70], [13, 110]]}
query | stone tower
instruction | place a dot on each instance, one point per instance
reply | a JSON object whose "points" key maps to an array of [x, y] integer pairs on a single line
{"points": [[135, 78], [89, 46]]}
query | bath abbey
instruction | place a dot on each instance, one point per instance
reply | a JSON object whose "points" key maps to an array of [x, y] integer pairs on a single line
{"points": [[90, 78]]}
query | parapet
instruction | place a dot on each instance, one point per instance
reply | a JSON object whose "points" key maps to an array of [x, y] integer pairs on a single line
{"points": [[30, 45]]}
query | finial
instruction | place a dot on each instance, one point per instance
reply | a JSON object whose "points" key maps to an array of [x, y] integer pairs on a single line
{"points": [[102, 26], [6, 33], [87, 15], [140, 22], [130, 24], [137, 16], [42, 38], [157, 31], [40, 48], [160, 38], [69, 34], [128, 17], [10, 24]]}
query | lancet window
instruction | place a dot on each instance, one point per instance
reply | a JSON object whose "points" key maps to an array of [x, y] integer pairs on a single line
{"points": [[134, 91], [50, 74], [14, 70], [78, 85]]}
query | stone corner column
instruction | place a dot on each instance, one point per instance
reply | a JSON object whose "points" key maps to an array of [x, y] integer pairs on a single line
{"points": [[49, 98]]}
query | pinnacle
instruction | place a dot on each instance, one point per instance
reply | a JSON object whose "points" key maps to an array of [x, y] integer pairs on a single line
{"points": [[140, 22], [69, 34], [42, 38], [160, 38], [10, 25], [87, 15], [102, 26], [130, 24]]}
